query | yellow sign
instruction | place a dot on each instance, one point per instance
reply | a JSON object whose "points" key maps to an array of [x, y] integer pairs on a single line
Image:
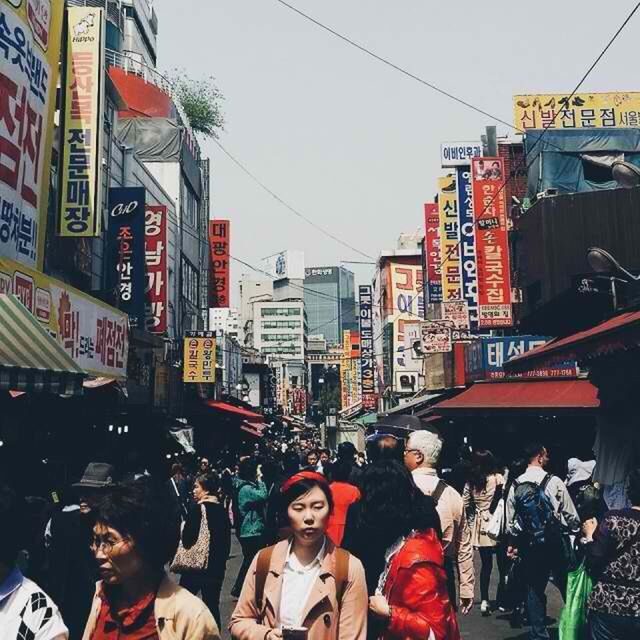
{"points": [[81, 200], [31, 35], [449, 239], [583, 111], [200, 357]]}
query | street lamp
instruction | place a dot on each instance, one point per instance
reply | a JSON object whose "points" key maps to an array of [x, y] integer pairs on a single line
{"points": [[603, 262], [627, 175]]}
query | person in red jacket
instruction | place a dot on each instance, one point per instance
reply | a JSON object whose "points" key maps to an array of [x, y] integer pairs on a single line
{"points": [[344, 495]]}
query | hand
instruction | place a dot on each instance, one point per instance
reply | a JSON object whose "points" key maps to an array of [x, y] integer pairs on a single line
{"points": [[379, 606], [512, 553], [274, 634], [588, 527], [465, 605]]}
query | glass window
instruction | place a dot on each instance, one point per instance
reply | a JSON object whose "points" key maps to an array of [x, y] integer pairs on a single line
{"points": [[280, 311]]}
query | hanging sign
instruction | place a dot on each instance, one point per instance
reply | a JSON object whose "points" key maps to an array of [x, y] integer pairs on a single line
{"points": [[219, 247], [200, 356], [155, 256]]}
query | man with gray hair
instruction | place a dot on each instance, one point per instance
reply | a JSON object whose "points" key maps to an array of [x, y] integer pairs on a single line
{"points": [[421, 457]]}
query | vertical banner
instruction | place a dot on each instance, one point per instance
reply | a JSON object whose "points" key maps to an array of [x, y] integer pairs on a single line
{"points": [[125, 251], [492, 244], [81, 137], [219, 248], [367, 370], [433, 256], [199, 356], [156, 248], [345, 369], [466, 223], [449, 239], [30, 37]]}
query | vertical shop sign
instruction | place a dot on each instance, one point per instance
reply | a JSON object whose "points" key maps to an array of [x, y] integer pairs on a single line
{"points": [[492, 244], [367, 371], [81, 139], [30, 37], [199, 356], [345, 369], [219, 247], [125, 251], [432, 252], [157, 276], [449, 239], [468, 268]]}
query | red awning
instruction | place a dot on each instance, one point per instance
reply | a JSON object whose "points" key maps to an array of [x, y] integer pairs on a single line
{"points": [[237, 411], [530, 395], [254, 429]]}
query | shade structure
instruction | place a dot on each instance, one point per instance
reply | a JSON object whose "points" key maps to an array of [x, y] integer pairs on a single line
{"points": [[236, 411], [536, 396], [253, 429], [30, 359]]}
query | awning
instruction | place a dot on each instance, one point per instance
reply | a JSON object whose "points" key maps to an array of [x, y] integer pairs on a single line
{"points": [[412, 405], [253, 429], [523, 396], [30, 359], [237, 411]]}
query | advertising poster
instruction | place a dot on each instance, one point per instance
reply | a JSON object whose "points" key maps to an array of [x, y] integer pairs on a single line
{"points": [[435, 337], [125, 251], [219, 273], [367, 369], [468, 267], [449, 239], [156, 251], [81, 163], [492, 244], [286, 264], [433, 256], [29, 55], [355, 376], [458, 154], [199, 356]]}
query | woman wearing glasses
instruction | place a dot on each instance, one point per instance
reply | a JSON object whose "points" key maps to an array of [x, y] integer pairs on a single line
{"points": [[133, 538]]}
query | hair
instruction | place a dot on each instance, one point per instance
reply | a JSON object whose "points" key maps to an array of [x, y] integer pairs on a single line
{"points": [[483, 464], [177, 468], [290, 462], [247, 469], [298, 489], [532, 450], [340, 471], [346, 451], [428, 443], [312, 452], [385, 447], [12, 515], [633, 488], [139, 510], [210, 482]]}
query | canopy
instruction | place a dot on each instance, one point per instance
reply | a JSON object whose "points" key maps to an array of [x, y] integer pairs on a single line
{"points": [[256, 430], [30, 359], [236, 411]]}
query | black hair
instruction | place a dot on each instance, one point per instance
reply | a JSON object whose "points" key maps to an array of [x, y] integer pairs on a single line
{"points": [[12, 516], [290, 462], [346, 451], [298, 489], [633, 488], [138, 510], [210, 482], [247, 469], [385, 447], [533, 449], [483, 464], [340, 471]]}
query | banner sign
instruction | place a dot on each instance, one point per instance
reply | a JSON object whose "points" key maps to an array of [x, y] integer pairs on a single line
{"points": [[457, 154], [492, 244], [125, 251], [219, 276], [200, 356], [299, 401], [81, 136], [468, 267], [449, 239], [433, 256], [583, 111], [31, 33], [94, 334], [156, 249], [367, 372], [456, 313], [345, 369], [435, 337]]}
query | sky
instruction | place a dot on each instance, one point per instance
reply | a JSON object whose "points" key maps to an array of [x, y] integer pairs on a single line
{"points": [[349, 142]]}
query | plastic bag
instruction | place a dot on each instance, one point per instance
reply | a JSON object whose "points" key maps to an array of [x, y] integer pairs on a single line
{"points": [[495, 526], [573, 620]]}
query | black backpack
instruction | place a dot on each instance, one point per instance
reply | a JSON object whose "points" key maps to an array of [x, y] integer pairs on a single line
{"points": [[534, 512]]}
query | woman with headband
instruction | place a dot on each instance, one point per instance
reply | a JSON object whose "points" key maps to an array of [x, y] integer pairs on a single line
{"points": [[304, 588]]}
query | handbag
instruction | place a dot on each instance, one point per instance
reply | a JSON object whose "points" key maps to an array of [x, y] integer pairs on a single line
{"points": [[195, 558], [495, 526], [573, 619]]}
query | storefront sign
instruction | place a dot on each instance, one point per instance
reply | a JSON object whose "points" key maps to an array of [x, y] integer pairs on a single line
{"points": [[81, 136], [156, 248], [345, 369], [367, 373], [456, 154], [30, 37], [449, 239], [299, 401], [492, 244], [432, 252], [94, 334], [435, 337], [219, 276], [125, 251], [199, 356], [468, 267], [583, 111], [456, 313]]}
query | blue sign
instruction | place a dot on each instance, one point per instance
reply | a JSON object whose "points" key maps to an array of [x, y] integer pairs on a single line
{"points": [[468, 267]]}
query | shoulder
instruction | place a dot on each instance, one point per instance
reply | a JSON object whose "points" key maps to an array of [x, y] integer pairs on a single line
{"points": [[452, 495], [193, 616]]}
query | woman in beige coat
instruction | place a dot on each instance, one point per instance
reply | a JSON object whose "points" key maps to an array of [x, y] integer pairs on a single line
{"points": [[306, 584]]}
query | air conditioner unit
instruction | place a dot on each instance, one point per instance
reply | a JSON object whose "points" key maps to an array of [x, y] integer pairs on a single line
{"points": [[406, 381]]}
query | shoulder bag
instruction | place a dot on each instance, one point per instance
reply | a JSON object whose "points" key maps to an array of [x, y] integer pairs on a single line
{"points": [[195, 558]]}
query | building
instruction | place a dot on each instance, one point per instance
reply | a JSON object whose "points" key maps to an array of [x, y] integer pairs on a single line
{"points": [[329, 299], [251, 291], [225, 320]]}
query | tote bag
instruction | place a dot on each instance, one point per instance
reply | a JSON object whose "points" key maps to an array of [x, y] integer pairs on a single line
{"points": [[195, 558]]}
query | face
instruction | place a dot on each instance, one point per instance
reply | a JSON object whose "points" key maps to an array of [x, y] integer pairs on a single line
{"points": [[117, 558], [324, 457], [199, 492], [308, 516], [312, 459], [87, 501], [412, 458], [204, 465]]}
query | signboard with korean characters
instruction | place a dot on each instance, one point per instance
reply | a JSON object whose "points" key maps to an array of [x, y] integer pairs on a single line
{"points": [[458, 154], [156, 251], [199, 356], [432, 252], [449, 239], [435, 337], [365, 295], [219, 275]]}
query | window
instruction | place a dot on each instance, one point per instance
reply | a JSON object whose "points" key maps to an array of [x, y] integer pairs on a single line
{"points": [[281, 324], [190, 282], [280, 311], [281, 350], [279, 337], [190, 205]]}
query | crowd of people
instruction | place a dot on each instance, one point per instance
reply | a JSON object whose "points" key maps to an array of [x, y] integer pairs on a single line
{"points": [[348, 545]]}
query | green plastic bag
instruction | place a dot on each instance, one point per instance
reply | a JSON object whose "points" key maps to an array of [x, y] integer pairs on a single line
{"points": [[573, 620]]}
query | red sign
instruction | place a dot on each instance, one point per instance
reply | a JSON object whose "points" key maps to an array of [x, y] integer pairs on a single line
{"points": [[156, 247], [492, 243], [432, 252], [219, 243]]}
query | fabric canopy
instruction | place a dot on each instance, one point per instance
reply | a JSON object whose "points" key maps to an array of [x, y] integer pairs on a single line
{"points": [[30, 359], [236, 411], [256, 430]]}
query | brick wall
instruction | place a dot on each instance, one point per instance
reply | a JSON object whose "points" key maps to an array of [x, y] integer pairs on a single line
{"points": [[515, 168]]}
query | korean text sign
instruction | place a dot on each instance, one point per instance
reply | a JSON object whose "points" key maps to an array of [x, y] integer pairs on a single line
{"points": [[492, 244], [365, 295], [156, 249], [30, 37], [125, 251], [199, 357], [219, 249], [455, 154], [435, 337], [468, 266], [80, 203], [432, 252], [449, 239]]}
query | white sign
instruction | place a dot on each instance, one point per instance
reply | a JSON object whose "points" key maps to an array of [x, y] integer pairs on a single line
{"points": [[287, 264], [436, 337], [456, 154], [456, 312]]}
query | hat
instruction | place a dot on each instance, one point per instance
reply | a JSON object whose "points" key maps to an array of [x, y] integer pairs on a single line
{"points": [[97, 475]]}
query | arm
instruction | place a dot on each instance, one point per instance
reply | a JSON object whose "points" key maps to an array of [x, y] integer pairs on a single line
{"points": [[599, 552], [567, 508], [192, 526], [221, 536], [352, 624], [510, 508], [466, 496], [465, 558]]}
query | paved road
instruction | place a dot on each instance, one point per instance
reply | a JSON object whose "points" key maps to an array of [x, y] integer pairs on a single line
{"points": [[495, 627]]}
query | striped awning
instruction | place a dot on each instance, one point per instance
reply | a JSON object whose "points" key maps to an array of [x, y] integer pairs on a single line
{"points": [[30, 359]]}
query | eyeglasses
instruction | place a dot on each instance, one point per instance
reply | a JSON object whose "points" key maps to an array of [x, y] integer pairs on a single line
{"points": [[411, 451], [104, 543]]}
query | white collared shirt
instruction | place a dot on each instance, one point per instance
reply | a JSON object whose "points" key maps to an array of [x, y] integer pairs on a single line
{"points": [[297, 583]]}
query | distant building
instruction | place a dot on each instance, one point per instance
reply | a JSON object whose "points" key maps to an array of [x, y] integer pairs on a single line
{"points": [[251, 291], [280, 329], [226, 320]]}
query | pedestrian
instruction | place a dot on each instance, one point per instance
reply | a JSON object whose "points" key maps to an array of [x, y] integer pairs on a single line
{"points": [[251, 498], [585, 494], [384, 447], [347, 455], [324, 459], [26, 611], [344, 495], [421, 457], [204, 467], [481, 494], [179, 489], [135, 535], [304, 582], [277, 525], [539, 515], [209, 581], [311, 460]]}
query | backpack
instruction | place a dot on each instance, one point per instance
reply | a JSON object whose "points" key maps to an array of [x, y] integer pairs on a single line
{"points": [[534, 512], [235, 507]]}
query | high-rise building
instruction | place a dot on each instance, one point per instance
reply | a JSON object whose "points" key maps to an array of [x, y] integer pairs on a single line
{"points": [[225, 320], [251, 291], [329, 300]]}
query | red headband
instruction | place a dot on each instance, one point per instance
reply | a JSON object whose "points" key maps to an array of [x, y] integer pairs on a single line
{"points": [[302, 475]]}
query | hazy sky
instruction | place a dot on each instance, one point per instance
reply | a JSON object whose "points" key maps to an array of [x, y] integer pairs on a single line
{"points": [[349, 142]]}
